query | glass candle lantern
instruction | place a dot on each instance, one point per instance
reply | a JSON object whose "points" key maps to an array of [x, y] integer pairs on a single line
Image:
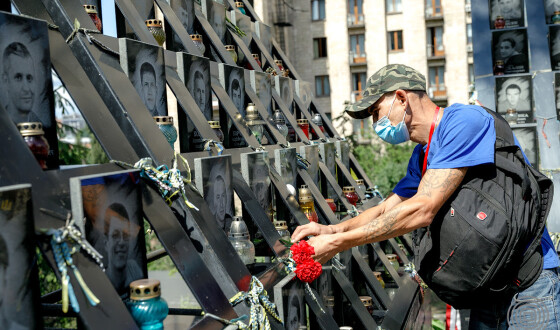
{"points": [[92, 12], [241, 7], [34, 137], [331, 204], [345, 328], [317, 120], [254, 122], [368, 303], [215, 126], [282, 229], [154, 26], [239, 238], [231, 50], [556, 17], [279, 64], [165, 124], [303, 124], [393, 260], [379, 278], [281, 123], [146, 306], [197, 39], [511, 116], [257, 59], [361, 185], [499, 22], [499, 68], [351, 195], [306, 204]]}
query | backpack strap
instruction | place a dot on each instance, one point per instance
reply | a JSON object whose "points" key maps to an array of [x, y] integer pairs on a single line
{"points": [[504, 134]]}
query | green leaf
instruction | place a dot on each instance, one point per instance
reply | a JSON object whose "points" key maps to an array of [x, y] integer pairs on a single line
{"points": [[286, 243]]}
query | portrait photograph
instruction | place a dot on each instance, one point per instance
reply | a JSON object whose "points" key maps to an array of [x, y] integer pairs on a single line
{"points": [[515, 93], [286, 165], [195, 72], [254, 167], [184, 9], [305, 92], [513, 12], [245, 24], [26, 89], [216, 16], [111, 207], [213, 179], [19, 288], [511, 47], [264, 33], [286, 92], [327, 152], [261, 83], [527, 137], [557, 93], [550, 6], [235, 86], [554, 40], [144, 65], [311, 154]]}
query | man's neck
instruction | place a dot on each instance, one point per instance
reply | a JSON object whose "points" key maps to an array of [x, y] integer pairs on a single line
{"points": [[424, 111]]}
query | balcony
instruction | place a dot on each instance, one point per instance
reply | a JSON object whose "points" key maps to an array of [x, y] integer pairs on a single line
{"points": [[357, 58], [435, 52], [355, 20], [434, 13], [437, 92]]}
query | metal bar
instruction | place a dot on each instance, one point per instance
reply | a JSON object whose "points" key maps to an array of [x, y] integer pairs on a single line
{"points": [[178, 28], [156, 255], [309, 117], [51, 297], [331, 180], [288, 199], [324, 320], [269, 121], [282, 56], [342, 170], [134, 19], [245, 50], [289, 116], [213, 38]]}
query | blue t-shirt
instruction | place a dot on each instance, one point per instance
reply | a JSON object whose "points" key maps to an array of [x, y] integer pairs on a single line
{"points": [[465, 137]]}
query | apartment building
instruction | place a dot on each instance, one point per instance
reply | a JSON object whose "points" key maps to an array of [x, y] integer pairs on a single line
{"points": [[338, 44]]}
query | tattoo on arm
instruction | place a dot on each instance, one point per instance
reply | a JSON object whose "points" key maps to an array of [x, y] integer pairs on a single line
{"points": [[382, 225], [442, 182]]}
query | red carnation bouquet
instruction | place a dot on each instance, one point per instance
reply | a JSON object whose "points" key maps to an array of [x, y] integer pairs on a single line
{"points": [[305, 267]]}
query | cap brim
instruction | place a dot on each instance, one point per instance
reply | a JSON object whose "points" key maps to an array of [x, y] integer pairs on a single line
{"points": [[359, 110]]}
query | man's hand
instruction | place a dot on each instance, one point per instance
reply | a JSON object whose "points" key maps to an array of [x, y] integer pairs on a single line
{"points": [[311, 229], [326, 247]]}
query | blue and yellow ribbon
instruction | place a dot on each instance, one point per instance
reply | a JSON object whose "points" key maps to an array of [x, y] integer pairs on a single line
{"points": [[257, 297]]}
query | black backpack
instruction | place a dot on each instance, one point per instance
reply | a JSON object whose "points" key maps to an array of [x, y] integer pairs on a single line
{"points": [[485, 242]]}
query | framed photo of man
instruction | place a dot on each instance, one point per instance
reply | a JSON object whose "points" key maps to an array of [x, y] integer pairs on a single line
{"points": [[311, 154], [255, 171], [557, 93], [19, 288], [304, 90], [286, 165], [511, 11], [286, 90], [235, 86], [213, 179], [327, 151], [26, 88], [216, 15], [289, 298], [262, 84], [111, 207], [145, 67], [184, 9], [527, 137], [511, 48], [554, 46], [550, 6], [515, 93]]}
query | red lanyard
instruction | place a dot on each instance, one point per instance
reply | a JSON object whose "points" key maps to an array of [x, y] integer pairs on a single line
{"points": [[429, 141]]}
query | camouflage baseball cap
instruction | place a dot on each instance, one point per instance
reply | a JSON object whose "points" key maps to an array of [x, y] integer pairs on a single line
{"points": [[387, 79]]}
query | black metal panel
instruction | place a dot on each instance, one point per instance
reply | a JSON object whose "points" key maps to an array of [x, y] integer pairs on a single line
{"points": [[242, 47], [213, 39], [178, 28], [134, 19], [372, 282], [401, 306], [325, 320], [290, 118]]}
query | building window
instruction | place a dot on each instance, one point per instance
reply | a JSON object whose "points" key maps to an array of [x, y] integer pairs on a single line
{"points": [[317, 10], [393, 6], [435, 41], [322, 86], [320, 47], [437, 82], [433, 8], [469, 34], [395, 41], [471, 74], [358, 83], [355, 12], [357, 48]]}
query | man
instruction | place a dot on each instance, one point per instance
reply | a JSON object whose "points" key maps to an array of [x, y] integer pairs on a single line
{"points": [[260, 183], [18, 77], [236, 96], [513, 100], [122, 268], [217, 19], [200, 93], [264, 92], [514, 62], [464, 136], [149, 87], [510, 9]]}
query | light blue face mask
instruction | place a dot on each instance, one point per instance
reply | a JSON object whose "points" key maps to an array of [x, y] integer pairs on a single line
{"points": [[388, 132]]}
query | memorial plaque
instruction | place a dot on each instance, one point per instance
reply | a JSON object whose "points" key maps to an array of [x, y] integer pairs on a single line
{"points": [[327, 152], [111, 208], [343, 151], [557, 93], [311, 154], [184, 9], [26, 90], [513, 12], [19, 289], [143, 63], [289, 296], [264, 33], [515, 93], [235, 86], [213, 180], [511, 47], [286, 165], [286, 92], [262, 84], [254, 167], [245, 24], [527, 137], [554, 40], [304, 91], [216, 15]]}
